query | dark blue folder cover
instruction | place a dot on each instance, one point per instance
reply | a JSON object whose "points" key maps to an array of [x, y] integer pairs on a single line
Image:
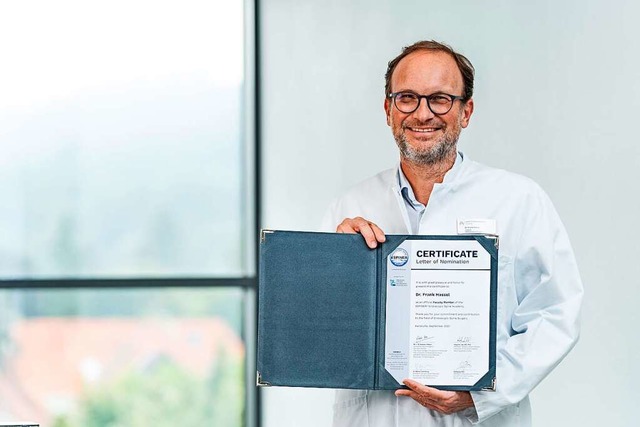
{"points": [[321, 310]]}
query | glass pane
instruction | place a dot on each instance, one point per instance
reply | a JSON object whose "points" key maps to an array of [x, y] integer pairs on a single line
{"points": [[120, 136], [135, 358]]}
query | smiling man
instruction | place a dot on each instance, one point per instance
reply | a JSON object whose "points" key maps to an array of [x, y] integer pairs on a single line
{"points": [[428, 101]]}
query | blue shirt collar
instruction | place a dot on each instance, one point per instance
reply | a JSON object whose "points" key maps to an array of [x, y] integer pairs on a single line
{"points": [[407, 191]]}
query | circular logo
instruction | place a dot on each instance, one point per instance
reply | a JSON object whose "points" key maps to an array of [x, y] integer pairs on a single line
{"points": [[399, 257]]}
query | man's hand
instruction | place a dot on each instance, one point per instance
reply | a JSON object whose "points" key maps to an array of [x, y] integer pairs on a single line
{"points": [[371, 232], [446, 402]]}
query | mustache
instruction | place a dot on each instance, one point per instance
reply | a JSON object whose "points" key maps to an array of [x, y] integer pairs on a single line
{"points": [[424, 123]]}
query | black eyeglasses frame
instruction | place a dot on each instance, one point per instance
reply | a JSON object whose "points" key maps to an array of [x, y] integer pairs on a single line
{"points": [[454, 98]]}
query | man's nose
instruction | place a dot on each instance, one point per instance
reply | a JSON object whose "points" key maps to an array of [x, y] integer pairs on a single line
{"points": [[423, 112]]}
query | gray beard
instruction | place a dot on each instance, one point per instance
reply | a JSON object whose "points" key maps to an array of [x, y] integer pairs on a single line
{"points": [[436, 154]]}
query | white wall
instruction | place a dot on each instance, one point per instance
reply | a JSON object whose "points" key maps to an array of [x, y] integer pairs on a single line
{"points": [[557, 99]]}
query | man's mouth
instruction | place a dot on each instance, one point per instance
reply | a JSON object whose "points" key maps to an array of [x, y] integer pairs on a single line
{"points": [[423, 129]]}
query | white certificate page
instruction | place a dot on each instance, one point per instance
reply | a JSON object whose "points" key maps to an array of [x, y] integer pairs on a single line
{"points": [[438, 312]]}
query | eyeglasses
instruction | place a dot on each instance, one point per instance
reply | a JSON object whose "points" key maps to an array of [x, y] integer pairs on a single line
{"points": [[438, 103]]}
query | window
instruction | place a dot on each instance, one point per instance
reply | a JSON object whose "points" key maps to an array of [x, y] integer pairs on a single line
{"points": [[126, 245], [130, 357]]}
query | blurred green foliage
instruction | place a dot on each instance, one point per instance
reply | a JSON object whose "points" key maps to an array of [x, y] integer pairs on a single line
{"points": [[164, 394]]}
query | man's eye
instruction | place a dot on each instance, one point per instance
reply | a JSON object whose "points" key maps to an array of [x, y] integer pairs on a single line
{"points": [[406, 97], [439, 99]]}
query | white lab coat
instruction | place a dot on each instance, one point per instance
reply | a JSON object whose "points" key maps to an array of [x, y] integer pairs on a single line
{"points": [[539, 289]]}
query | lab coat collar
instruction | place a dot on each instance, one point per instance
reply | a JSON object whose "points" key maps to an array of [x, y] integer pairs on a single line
{"points": [[449, 178]]}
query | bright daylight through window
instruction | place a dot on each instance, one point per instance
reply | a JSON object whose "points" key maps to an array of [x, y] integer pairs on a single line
{"points": [[122, 158]]}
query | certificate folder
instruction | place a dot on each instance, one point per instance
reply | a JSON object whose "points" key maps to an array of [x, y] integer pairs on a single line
{"points": [[322, 310]]}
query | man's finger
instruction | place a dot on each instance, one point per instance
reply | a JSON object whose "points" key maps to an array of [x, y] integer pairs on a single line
{"points": [[380, 237], [404, 392], [415, 385], [408, 393], [345, 228], [360, 225], [348, 225], [363, 226], [443, 401], [430, 393], [418, 398]]}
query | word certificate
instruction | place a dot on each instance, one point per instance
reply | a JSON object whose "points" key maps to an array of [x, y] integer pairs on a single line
{"points": [[439, 312]]}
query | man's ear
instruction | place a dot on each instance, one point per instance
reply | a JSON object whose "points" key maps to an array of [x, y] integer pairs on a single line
{"points": [[387, 110], [467, 111]]}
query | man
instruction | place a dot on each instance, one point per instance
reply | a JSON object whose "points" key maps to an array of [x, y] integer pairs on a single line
{"points": [[428, 101]]}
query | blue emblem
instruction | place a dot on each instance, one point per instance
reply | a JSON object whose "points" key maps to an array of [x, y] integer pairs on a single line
{"points": [[399, 257]]}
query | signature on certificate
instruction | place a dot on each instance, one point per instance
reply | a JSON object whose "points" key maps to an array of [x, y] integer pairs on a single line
{"points": [[424, 339]]}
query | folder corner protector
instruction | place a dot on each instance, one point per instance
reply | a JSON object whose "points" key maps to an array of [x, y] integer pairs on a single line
{"points": [[260, 382]]}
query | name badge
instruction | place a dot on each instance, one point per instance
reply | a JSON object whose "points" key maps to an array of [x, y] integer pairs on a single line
{"points": [[477, 226]]}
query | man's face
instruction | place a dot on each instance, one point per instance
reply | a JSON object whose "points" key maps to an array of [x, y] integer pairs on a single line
{"points": [[423, 137]]}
